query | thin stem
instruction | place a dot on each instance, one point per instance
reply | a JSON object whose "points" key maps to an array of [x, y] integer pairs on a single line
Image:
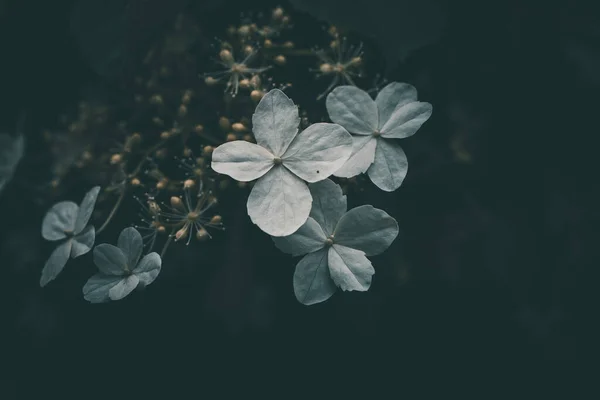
{"points": [[167, 243], [113, 211]]}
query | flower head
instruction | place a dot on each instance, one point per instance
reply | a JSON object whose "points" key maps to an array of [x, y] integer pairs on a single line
{"points": [[394, 114], [336, 244], [282, 160], [67, 222], [121, 270]]}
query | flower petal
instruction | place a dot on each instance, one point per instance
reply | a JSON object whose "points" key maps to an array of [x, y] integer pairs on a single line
{"points": [[349, 268], [392, 96], [85, 209], [406, 120], [279, 202], [241, 160], [148, 268], [329, 204], [110, 260], [310, 237], [59, 219], [363, 155], [83, 242], [96, 289], [55, 264], [366, 228], [318, 151], [390, 166], [275, 122], [123, 288], [353, 109], [131, 244], [312, 283]]}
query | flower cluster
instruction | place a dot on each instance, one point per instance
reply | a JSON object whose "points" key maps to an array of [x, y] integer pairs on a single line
{"points": [[176, 145]]}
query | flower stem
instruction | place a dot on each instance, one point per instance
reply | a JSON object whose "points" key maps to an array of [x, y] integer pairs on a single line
{"points": [[167, 243], [113, 211]]}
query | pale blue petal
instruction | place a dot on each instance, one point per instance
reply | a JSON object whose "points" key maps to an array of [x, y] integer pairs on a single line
{"points": [[110, 260], [349, 268], [11, 152], [353, 109], [406, 120], [241, 160], [131, 244], [123, 288], [60, 220], [86, 209], [55, 264], [148, 268], [310, 237], [329, 204], [96, 289], [312, 283], [363, 155], [367, 229], [83, 242], [275, 122], [392, 96], [390, 166]]}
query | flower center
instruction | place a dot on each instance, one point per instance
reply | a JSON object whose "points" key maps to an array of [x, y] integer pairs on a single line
{"points": [[329, 241], [277, 160], [192, 216], [376, 133]]}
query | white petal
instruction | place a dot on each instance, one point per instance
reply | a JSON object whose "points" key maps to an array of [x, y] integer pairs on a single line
{"points": [[390, 166], [353, 109], [318, 151], [110, 260], [279, 202], [123, 288], [392, 96], [83, 242], [329, 204], [363, 155], [55, 264], [11, 152], [275, 122], [367, 229], [312, 283], [148, 268], [406, 120], [241, 160], [96, 289], [86, 209], [59, 219], [349, 268], [310, 237], [131, 244]]}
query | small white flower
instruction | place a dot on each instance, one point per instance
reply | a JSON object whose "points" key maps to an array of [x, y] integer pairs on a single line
{"points": [[395, 114], [336, 244], [282, 161], [67, 220], [11, 151], [121, 269]]}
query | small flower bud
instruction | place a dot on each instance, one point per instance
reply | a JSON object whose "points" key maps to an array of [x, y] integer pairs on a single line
{"points": [[164, 71], [176, 202], [248, 137], [255, 81], [210, 81], [162, 184], [245, 83], [268, 43], [238, 127], [224, 123], [116, 159], [207, 150], [198, 172], [288, 45], [181, 234], [280, 60], [256, 95], [156, 99], [334, 44], [223, 185], [244, 30], [226, 56], [231, 30], [285, 20], [216, 220], [188, 184], [199, 128], [202, 235], [231, 137], [187, 97], [161, 229], [325, 68], [153, 207], [248, 49], [278, 13], [182, 111], [200, 161]]}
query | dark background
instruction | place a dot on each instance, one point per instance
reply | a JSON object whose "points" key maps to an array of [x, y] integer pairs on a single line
{"points": [[495, 267]]}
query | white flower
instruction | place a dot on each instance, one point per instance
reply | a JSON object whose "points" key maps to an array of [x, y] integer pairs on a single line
{"points": [[282, 161], [336, 244], [120, 272], [11, 151], [395, 114], [67, 220]]}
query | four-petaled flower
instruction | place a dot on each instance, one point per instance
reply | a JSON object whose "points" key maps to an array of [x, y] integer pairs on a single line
{"points": [[282, 161], [120, 272], [67, 220], [394, 114], [336, 244]]}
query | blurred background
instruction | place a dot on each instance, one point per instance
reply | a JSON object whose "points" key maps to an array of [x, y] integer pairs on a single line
{"points": [[496, 263]]}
